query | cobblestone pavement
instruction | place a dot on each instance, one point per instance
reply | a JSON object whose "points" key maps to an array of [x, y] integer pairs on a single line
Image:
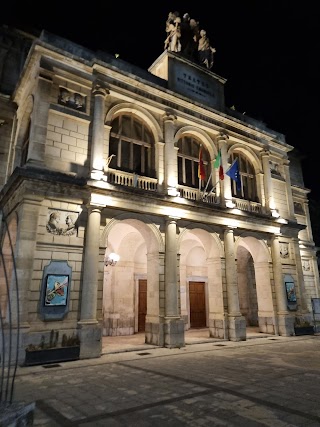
{"points": [[270, 381]]}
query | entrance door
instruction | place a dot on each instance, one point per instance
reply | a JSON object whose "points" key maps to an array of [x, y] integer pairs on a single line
{"points": [[142, 305], [197, 305]]}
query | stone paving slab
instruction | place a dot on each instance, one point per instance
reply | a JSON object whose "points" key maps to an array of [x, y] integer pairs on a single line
{"points": [[259, 382]]}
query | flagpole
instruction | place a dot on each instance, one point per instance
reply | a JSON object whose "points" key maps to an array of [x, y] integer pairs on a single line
{"points": [[205, 189], [211, 190], [216, 182]]}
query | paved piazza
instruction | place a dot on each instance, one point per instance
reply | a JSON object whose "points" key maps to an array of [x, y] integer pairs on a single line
{"points": [[273, 381]]}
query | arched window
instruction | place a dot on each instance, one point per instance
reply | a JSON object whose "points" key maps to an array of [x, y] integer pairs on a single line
{"points": [[132, 146], [188, 161], [248, 190]]}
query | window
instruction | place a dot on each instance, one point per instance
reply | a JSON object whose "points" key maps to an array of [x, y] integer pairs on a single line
{"points": [[248, 190], [132, 144], [188, 161]]}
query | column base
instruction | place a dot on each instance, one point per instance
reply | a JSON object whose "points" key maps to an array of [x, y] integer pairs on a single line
{"points": [[173, 332], [90, 334], [267, 325], [285, 325], [237, 328], [218, 327], [154, 333]]}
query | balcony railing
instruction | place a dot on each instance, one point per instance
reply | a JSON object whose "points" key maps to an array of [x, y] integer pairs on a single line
{"points": [[246, 205], [131, 180], [150, 184]]}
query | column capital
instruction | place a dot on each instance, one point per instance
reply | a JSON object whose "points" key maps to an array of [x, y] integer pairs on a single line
{"points": [[92, 207], [229, 229], [99, 89], [172, 219], [169, 116], [223, 136], [265, 153]]}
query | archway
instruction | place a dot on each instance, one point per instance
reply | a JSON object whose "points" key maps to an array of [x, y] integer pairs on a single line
{"points": [[254, 284], [201, 288], [134, 277]]}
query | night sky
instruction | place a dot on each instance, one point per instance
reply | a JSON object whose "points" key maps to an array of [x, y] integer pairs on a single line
{"points": [[267, 50]]}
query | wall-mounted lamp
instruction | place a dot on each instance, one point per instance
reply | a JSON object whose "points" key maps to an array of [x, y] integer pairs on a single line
{"points": [[112, 259], [230, 204], [275, 213], [172, 191]]}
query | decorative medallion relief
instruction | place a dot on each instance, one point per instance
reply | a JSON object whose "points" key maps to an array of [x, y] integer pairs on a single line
{"points": [[284, 250], [274, 168], [62, 223], [306, 265], [72, 99]]}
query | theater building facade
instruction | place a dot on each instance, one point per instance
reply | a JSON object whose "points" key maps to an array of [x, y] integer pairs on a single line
{"points": [[117, 200]]}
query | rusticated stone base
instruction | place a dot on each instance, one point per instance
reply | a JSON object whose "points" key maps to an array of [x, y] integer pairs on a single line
{"points": [[90, 340], [174, 333]]}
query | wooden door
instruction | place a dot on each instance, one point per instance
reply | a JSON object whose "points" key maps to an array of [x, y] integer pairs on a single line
{"points": [[142, 305], [197, 305]]}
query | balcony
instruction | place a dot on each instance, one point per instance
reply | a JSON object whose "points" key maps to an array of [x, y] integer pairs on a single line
{"points": [[127, 179], [247, 205]]}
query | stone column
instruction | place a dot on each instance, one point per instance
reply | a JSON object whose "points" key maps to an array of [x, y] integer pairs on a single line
{"points": [[300, 276], [283, 324], [289, 191], [237, 323], [174, 326], [170, 154], [97, 160], [161, 166], [225, 188], [90, 330], [268, 188]]}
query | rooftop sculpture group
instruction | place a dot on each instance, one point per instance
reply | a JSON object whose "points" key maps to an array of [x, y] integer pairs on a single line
{"points": [[185, 37]]}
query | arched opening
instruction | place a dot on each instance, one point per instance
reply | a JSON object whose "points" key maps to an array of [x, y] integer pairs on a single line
{"points": [[130, 301], [131, 145], [254, 286]]}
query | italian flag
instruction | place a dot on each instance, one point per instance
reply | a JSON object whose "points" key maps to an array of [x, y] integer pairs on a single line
{"points": [[218, 164]]}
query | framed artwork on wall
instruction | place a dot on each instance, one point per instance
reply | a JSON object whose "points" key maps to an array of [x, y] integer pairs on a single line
{"points": [[291, 295], [57, 287], [55, 290]]}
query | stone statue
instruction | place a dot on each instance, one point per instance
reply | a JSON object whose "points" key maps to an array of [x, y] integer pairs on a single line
{"points": [[189, 37], [185, 37], [205, 50], [173, 30]]}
